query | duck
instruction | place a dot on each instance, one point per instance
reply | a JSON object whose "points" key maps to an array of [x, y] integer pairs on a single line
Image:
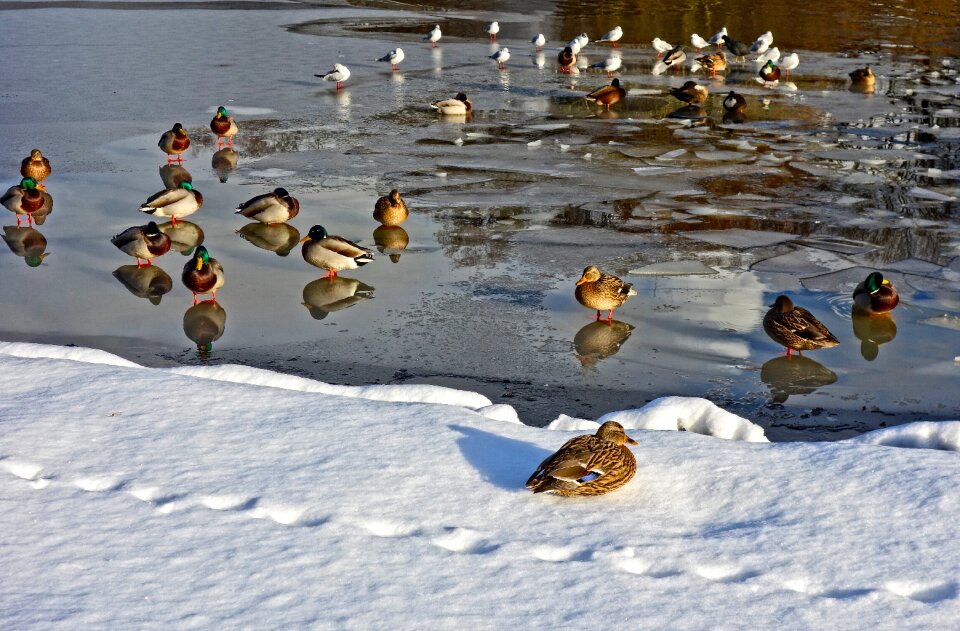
{"points": [[603, 292], [714, 63], [143, 242], [661, 46], [607, 95], [24, 199], [674, 57], [433, 36], [875, 295], [538, 41], [391, 210], [492, 29], [223, 126], [795, 327], [340, 73], [175, 203], [567, 59], [28, 243], [36, 167], [459, 105], [277, 206], [769, 73], [717, 38], [202, 274], [613, 36], [174, 142], [608, 65], [331, 253], [734, 102], [789, 62], [863, 77], [501, 57], [738, 49], [151, 282], [698, 42], [587, 465], [394, 57], [691, 92]]}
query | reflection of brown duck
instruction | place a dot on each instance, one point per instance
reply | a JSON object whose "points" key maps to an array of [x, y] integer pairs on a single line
{"points": [[184, 236], [173, 175], [873, 330], [795, 327], [150, 282], [224, 161], [27, 243], [326, 295], [863, 77], [787, 376], [278, 237], [204, 324], [391, 240], [600, 340], [691, 93]]}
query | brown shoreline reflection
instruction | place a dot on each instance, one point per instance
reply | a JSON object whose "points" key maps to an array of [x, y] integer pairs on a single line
{"points": [[184, 236], [27, 243], [599, 340], [204, 324], [391, 240], [325, 295], [872, 331], [278, 237], [795, 375], [150, 281]]}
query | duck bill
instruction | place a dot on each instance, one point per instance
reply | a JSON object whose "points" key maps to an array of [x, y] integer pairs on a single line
{"points": [[631, 441], [885, 282], [199, 264], [305, 239], [582, 280]]}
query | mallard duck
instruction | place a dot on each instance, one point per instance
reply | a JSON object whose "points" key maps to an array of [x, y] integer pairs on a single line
{"points": [[769, 73], [492, 29], [661, 46], [674, 57], [142, 242], [734, 102], [204, 324], [608, 65], [275, 207], [23, 199], [223, 126], [566, 59], [28, 243], [538, 41], [587, 465], [714, 63], [175, 203], [324, 296], [35, 167], [795, 327], [875, 295], [698, 42], [739, 50], [434, 36], [340, 73], [603, 292], [717, 38], [150, 282], [332, 253], [863, 77], [613, 36], [789, 62], [501, 57], [457, 106], [280, 238], [174, 142], [691, 92], [391, 210], [394, 57], [202, 274], [391, 240], [607, 95]]}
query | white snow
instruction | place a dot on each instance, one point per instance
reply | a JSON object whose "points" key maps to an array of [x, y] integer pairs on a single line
{"points": [[921, 435], [135, 497]]}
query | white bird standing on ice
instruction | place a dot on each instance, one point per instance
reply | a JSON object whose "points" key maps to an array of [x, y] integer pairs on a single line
{"points": [[613, 36], [538, 41], [501, 57], [789, 62], [340, 73], [574, 45], [771, 55], [582, 39], [492, 29], [698, 42], [608, 65], [434, 36], [661, 46], [395, 56], [762, 43], [718, 37]]}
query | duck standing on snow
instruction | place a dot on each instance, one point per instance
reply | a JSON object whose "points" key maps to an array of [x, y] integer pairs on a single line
{"points": [[769, 73], [501, 57], [275, 207], [607, 95], [609, 65], [875, 295], [395, 56], [340, 73], [202, 274], [35, 167], [460, 105], [433, 36], [175, 203], [698, 42], [492, 29], [333, 254], [603, 292], [567, 59], [174, 142], [538, 41], [661, 46], [795, 327], [391, 210], [143, 242], [613, 36], [691, 92], [223, 126], [587, 465]]}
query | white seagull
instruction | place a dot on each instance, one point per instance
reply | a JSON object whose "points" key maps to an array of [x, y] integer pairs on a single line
{"points": [[538, 41], [340, 73], [718, 37], [582, 39], [434, 36], [574, 45], [771, 55], [608, 65], [395, 56], [661, 46], [789, 62], [613, 36], [501, 57], [762, 43], [492, 29], [698, 42]]}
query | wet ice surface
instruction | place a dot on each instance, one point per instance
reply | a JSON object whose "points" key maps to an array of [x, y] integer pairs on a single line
{"points": [[710, 218]]}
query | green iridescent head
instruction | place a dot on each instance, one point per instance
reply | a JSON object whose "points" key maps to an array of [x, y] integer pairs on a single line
{"points": [[28, 183], [221, 111], [874, 282], [201, 256], [186, 185]]}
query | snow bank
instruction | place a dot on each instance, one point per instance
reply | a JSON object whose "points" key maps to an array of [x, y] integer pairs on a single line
{"points": [[923, 435], [689, 414], [73, 353]]}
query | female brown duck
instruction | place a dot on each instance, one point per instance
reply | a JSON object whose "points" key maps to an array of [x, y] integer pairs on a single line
{"points": [[795, 327]]}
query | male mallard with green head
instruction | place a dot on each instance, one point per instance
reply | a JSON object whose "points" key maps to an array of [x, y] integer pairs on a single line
{"points": [[223, 126], [143, 242], [175, 203], [795, 327], [769, 72], [587, 465], [875, 295], [331, 253], [202, 274], [23, 199], [459, 105], [603, 292], [391, 210], [35, 167], [275, 207], [174, 142]]}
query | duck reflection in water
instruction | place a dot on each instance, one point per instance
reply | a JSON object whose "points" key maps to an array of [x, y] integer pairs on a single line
{"points": [[149, 282], [326, 295], [600, 340], [27, 243], [688, 112], [184, 236], [786, 375], [391, 240], [277, 237], [204, 324], [872, 331], [173, 175], [224, 162]]}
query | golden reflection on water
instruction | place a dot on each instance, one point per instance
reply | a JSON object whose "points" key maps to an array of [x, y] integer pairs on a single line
{"points": [[279, 237], [27, 243], [599, 340], [150, 282], [872, 331], [325, 295], [786, 376], [204, 323]]}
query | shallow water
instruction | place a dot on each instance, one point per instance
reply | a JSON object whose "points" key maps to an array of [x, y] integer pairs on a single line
{"points": [[818, 185]]}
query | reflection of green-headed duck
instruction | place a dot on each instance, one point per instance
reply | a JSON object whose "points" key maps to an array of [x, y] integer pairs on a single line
{"points": [[23, 199], [175, 203], [142, 242], [875, 295], [204, 324], [174, 142], [795, 327], [331, 253], [28, 243], [202, 274], [223, 126]]}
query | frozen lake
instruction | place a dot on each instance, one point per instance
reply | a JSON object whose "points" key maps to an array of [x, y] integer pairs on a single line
{"points": [[709, 217]]}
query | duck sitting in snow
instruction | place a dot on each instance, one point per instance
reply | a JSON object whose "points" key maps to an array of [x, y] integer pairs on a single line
{"points": [[587, 465], [603, 292]]}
